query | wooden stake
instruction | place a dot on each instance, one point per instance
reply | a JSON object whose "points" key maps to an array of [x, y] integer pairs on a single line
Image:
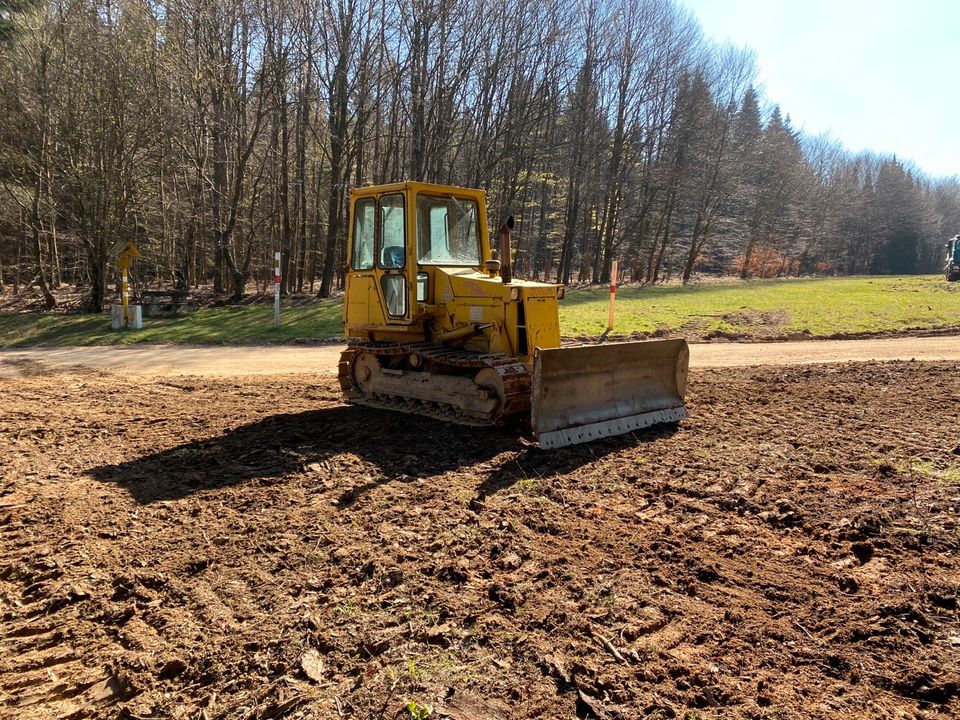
{"points": [[613, 294]]}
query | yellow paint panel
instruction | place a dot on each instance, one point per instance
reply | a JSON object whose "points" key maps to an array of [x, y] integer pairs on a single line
{"points": [[543, 324]]}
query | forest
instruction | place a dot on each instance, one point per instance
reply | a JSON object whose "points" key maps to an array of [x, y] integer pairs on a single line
{"points": [[213, 133]]}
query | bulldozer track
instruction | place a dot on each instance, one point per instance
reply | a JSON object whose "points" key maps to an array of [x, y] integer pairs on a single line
{"points": [[442, 360]]}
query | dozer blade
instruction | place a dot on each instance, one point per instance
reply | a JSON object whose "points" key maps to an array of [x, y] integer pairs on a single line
{"points": [[592, 391]]}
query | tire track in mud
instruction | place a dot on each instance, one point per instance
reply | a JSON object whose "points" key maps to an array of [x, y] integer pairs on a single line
{"points": [[42, 674]]}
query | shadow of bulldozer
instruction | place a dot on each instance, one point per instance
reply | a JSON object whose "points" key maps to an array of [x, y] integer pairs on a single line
{"points": [[402, 447]]}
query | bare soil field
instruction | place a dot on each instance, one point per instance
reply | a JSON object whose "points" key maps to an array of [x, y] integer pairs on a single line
{"points": [[197, 547]]}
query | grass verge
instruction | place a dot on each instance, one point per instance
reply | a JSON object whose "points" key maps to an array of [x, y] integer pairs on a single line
{"points": [[242, 325], [770, 308], [759, 309]]}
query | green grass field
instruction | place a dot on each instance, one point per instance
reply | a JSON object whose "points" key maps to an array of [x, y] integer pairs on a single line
{"points": [[770, 308], [242, 325], [753, 309]]}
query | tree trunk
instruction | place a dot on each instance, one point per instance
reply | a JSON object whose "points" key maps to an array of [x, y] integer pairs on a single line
{"points": [[288, 278], [536, 259], [747, 258], [96, 249], [304, 119], [696, 244], [49, 300], [338, 125], [569, 230]]}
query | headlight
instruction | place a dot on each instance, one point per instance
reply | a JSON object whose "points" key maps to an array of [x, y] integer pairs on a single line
{"points": [[515, 293]]}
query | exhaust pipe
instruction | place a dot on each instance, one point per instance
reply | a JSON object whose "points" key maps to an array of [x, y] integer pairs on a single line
{"points": [[506, 270]]}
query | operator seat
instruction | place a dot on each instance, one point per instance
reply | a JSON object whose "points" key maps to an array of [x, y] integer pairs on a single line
{"points": [[392, 257]]}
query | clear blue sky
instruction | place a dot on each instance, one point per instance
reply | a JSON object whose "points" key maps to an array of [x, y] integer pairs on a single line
{"points": [[882, 75]]}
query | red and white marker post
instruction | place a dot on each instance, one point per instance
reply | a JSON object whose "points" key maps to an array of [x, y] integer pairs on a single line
{"points": [[125, 296], [276, 290], [613, 294]]}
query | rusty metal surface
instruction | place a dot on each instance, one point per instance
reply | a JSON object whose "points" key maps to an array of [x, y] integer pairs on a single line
{"points": [[582, 393]]}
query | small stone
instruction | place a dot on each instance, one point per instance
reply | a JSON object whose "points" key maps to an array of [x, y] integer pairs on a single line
{"points": [[312, 665]]}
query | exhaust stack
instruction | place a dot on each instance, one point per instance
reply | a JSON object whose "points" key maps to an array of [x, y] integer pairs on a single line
{"points": [[506, 269]]}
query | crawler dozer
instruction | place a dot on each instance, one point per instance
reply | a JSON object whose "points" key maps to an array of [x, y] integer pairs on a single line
{"points": [[438, 327]]}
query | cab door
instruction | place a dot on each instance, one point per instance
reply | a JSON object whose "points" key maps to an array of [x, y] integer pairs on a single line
{"points": [[377, 284], [391, 267], [362, 300]]}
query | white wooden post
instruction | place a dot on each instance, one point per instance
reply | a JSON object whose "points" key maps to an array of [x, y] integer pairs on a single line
{"points": [[276, 290]]}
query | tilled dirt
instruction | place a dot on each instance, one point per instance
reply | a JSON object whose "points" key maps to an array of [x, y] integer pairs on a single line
{"points": [[251, 548]]}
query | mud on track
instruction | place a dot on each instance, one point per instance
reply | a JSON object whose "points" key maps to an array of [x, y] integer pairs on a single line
{"points": [[250, 548]]}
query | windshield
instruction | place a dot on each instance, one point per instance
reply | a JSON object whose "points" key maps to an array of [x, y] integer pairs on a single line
{"points": [[448, 231]]}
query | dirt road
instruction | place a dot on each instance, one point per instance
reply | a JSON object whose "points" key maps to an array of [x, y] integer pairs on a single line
{"points": [[242, 361]]}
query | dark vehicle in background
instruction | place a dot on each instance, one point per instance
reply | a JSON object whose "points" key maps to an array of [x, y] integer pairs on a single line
{"points": [[952, 269]]}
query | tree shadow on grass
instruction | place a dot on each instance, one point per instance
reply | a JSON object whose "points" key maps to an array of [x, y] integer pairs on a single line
{"points": [[596, 293], [402, 447]]}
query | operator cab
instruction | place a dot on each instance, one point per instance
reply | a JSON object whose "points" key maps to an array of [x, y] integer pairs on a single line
{"points": [[400, 235]]}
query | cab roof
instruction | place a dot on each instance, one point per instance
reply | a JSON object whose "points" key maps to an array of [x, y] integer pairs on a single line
{"points": [[417, 187]]}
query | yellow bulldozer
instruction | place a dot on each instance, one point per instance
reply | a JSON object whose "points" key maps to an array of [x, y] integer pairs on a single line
{"points": [[438, 327]]}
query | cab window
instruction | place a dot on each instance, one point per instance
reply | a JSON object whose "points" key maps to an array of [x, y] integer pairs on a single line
{"points": [[392, 232], [448, 231], [392, 254], [364, 215]]}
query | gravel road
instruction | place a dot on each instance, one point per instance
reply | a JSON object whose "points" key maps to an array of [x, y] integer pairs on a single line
{"points": [[167, 360]]}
